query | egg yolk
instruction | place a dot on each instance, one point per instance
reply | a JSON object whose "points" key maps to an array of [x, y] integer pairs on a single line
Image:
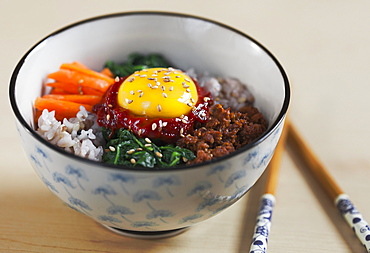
{"points": [[158, 93]]}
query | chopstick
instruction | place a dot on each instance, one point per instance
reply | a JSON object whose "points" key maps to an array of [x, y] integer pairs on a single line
{"points": [[340, 199], [267, 202]]}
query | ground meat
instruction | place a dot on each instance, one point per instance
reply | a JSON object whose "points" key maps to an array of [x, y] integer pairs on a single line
{"points": [[224, 132]]}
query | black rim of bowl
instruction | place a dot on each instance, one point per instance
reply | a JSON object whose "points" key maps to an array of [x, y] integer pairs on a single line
{"points": [[28, 128]]}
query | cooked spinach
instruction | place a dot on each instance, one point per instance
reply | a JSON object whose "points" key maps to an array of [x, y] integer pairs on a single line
{"points": [[124, 148], [136, 62]]}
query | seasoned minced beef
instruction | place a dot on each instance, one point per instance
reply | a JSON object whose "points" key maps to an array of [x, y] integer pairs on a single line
{"points": [[224, 132]]}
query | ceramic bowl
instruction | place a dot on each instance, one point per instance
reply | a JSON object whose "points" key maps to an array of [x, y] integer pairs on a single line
{"points": [[145, 201]]}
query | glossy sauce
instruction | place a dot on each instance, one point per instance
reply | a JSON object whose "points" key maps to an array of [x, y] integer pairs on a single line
{"points": [[112, 116]]}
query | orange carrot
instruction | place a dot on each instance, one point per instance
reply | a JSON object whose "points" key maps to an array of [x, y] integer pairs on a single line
{"points": [[107, 72], [75, 89], [79, 79], [79, 67], [81, 99], [59, 91], [63, 109]]}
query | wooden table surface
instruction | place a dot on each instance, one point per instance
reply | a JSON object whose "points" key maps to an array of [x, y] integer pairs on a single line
{"points": [[325, 48]]}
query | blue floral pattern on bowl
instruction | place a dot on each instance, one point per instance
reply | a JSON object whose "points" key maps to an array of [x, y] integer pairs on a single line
{"points": [[146, 201]]}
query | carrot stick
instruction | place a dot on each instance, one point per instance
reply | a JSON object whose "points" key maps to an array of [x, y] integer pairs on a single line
{"points": [[59, 91], [79, 67], [79, 79], [81, 99], [75, 89], [107, 72], [63, 109]]}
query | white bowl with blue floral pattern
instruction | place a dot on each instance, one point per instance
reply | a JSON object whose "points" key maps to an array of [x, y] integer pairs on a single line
{"points": [[151, 201]]}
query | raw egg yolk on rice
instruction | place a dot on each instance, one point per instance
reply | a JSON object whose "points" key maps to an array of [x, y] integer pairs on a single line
{"points": [[158, 93], [158, 103]]}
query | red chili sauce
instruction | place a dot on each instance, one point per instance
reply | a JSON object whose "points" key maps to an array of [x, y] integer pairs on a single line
{"points": [[112, 116]]}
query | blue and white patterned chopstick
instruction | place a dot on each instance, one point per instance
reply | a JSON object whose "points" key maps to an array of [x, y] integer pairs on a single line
{"points": [[263, 221], [263, 224], [354, 219], [341, 200]]}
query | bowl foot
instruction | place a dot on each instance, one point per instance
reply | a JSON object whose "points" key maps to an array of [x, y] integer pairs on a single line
{"points": [[147, 234]]}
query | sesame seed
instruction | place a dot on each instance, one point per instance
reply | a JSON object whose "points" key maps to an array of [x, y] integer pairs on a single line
{"points": [[177, 76], [184, 121], [116, 79], [131, 79], [206, 99], [80, 81], [181, 131], [158, 154], [189, 104], [130, 151], [143, 75], [129, 101], [187, 80], [132, 92], [111, 148], [133, 160], [108, 116], [192, 100], [158, 83], [166, 77], [159, 108], [185, 85], [150, 85], [164, 94], [110, 105], [165, 124], [148, 140], [182, 116], [139, 132], [139, 149], [185, 159], [141, 94], [187, 90], [154, 126], [148, 145], [160, 123], [167, 80], [151, 78], [171, 88], [154, 87]]}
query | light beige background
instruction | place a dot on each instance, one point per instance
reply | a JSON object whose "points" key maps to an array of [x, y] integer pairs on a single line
{"points": [[325, 48]]}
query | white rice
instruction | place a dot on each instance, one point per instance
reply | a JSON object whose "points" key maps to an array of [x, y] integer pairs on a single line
{"points": [[80, 135], [229, 92]]}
